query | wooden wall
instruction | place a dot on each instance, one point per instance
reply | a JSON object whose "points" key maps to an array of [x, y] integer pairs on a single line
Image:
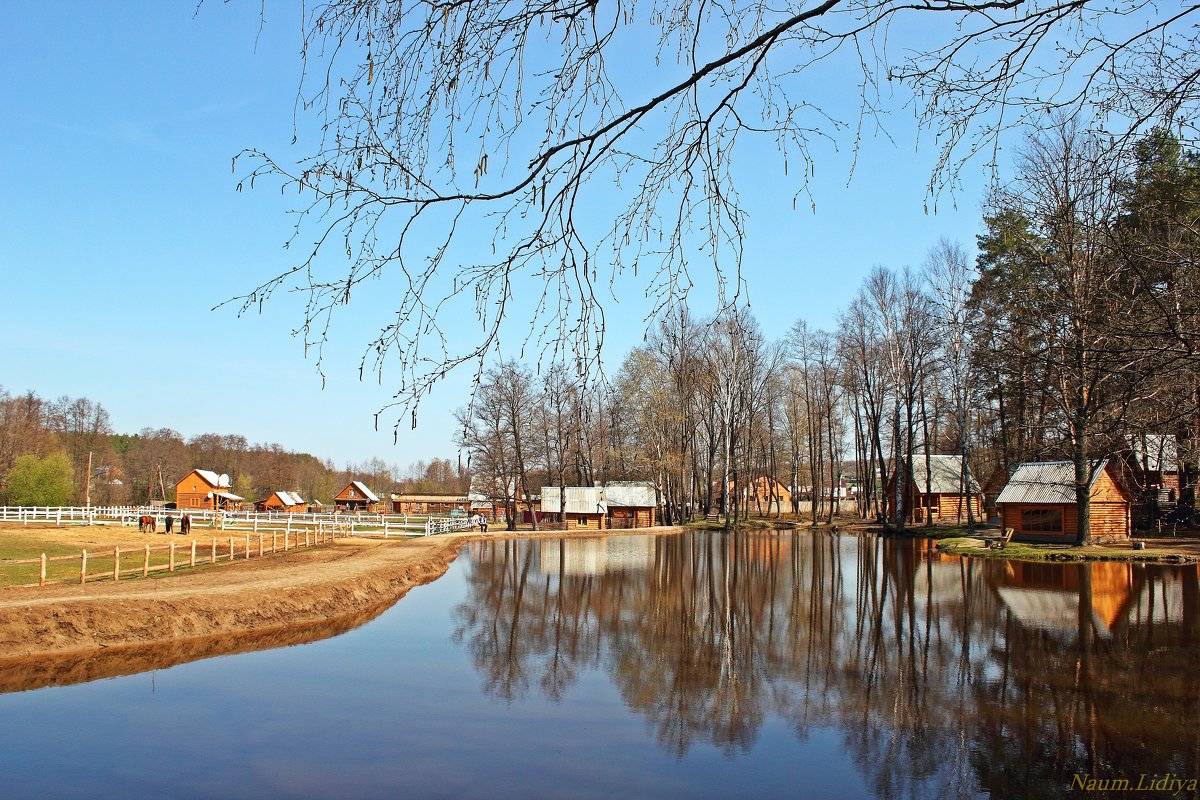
{"points": [[585, 522], [192, 492]]}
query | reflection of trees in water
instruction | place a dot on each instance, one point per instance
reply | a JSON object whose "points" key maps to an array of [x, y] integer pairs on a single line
{"points": [[937, 682]]}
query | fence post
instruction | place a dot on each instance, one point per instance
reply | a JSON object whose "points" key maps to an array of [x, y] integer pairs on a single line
{"points": [[146, 563], [193, 561], [306, 543], [256, 523], [248, 542], [274, 541], [214, 550], [285, 540], [232, 555], [171, 557], [260, 545], [42, 577], [117, 563], [288, 530], [83, 566]]}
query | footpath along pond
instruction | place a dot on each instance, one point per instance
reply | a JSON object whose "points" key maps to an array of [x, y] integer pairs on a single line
{"points": [[689, 665]]}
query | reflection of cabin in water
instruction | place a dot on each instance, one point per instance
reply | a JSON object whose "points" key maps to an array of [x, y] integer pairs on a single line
{"points": [[596, 556], [202, 488], [356, 497], [287, 502], [1038, 503], [936, 487], [1048, 596], [430, 504]]}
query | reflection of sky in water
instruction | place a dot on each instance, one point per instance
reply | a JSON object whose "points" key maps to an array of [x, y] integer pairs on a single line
{"points": [[842, 667]]}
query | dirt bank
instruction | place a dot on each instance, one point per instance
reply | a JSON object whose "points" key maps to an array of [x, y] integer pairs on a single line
{"points": [[70, 633], [102, 629]]}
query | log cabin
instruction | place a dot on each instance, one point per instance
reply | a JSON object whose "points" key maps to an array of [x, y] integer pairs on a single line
{"points": [[357, 497], [1038, 503], [430, 504], [287, 502], [943, 502], [582, 507], [202, 488], [631, 504]]}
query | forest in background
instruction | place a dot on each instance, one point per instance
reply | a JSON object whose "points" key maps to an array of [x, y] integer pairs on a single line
{"points": [[47, 442]]}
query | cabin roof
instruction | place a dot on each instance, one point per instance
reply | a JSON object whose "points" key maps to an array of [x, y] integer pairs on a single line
{"points": [[1044, 482], [362, 488], [629, 493], [428, 498], [945, 474], [209, 477]]}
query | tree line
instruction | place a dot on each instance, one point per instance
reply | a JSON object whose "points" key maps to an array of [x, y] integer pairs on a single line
{"points": [[1074, 332], [46, 447]]}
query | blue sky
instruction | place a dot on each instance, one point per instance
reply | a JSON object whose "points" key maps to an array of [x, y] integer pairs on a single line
{"points": [[124, 230]]}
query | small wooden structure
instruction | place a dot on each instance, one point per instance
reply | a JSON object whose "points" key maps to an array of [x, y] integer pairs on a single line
{"points": [[202, 488], [287, 502], [631, 504], [356, 497], [943, 502], [765, 493], [1038, 503], [430, 504], [582, 507]]}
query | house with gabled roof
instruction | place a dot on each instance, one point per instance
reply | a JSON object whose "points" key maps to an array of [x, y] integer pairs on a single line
{"points": [[936, 489], [288, 502], [357, 497], [205, 489], [1038, 502]]}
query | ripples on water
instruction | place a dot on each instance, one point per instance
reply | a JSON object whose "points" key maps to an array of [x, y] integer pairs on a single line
{"points": [[689, 665]]}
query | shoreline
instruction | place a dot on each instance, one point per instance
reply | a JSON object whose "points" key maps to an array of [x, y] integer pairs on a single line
{"points": [[70, 633]]}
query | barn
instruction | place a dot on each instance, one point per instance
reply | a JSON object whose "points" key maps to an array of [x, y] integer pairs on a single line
{"points": [[202, 488], [288, 502], [1038, 503], [356, 497], [942, 477]]}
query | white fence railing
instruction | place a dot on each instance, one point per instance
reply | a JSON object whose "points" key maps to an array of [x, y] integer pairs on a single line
{"points": [[385, 525]]}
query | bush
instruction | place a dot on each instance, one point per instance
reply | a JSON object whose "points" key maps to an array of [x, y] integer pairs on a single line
{"points": [[34, 481]]}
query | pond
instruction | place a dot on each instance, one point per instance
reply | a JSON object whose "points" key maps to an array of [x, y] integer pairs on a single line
{"points": [[692, 665]]}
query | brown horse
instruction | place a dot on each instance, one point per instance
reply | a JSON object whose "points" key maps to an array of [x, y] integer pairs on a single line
{"points": [[146, 524]]}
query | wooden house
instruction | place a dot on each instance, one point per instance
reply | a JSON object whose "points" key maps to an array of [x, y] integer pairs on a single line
{"points": [[495, 502], [356, 497], [581, 507], [764, 493], [430, 504], [631, 504], [1038, 502], [205, 489], [287, 502], [935, 488]]}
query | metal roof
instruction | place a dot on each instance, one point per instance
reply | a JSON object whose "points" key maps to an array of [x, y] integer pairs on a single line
{"points": [[367, 493], [1044, 482], [630, 493], [945, 474], [210, 476]]}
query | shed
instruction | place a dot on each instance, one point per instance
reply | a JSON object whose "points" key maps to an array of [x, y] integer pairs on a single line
{"points": [[631, 504], [289, 502], [356, 497], [1038, 502], [943, 501], [582, 507], [430, 504]]}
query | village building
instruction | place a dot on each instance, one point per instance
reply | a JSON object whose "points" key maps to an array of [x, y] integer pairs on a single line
{"points": [[1038, 503], [287, 502], [205, 489], [356, 497], [496, 502], [1150, 470], [430, 504], [631, 504], [935, 489], [580, 507], [764, 493]]}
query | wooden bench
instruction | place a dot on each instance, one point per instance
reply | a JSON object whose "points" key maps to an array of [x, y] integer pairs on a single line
{"points": [[1002, 542]]}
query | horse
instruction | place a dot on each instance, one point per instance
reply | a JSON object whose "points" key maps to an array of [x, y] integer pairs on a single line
{"points": [[146, 523]]}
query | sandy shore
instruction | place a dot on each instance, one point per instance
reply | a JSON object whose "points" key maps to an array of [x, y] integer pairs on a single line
{"points": [[70, 633]]}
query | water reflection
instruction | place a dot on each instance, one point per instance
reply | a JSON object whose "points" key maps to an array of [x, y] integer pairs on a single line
{"points": [[940, 675]]}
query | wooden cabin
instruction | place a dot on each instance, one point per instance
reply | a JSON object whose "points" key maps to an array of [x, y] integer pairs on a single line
{"points": [[935, 488], [765, 493], [287, 502], [356, 497], [582, 507], [1038, 503], [205, 489], [631, 504], [430, 504]]}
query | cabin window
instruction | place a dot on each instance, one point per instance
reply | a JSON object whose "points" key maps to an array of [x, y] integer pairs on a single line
{"points": [[1046, 520]]}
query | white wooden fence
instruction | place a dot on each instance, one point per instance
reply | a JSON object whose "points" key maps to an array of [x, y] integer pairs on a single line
{"points": [[373, 525]]}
